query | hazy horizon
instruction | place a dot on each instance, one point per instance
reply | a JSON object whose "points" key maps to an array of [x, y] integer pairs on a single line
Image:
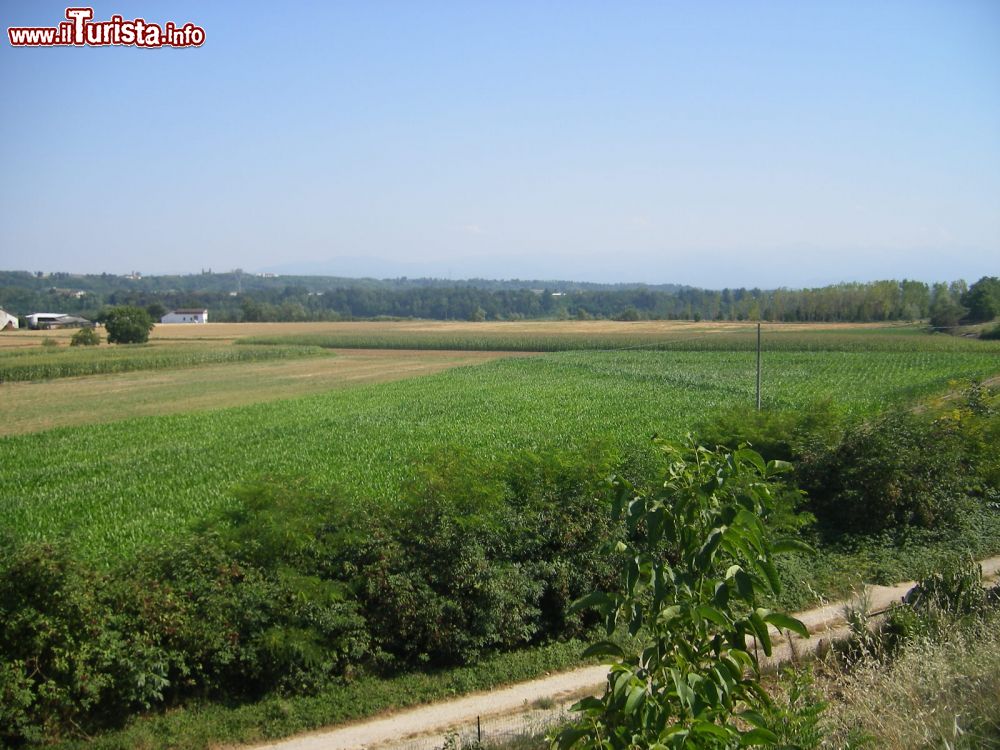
{"points": [[770, 144]]}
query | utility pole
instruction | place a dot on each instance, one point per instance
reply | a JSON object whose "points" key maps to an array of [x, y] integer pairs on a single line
{"points": [[758, 367]]}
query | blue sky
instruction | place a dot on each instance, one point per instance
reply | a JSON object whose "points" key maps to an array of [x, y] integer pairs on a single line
{"points": [[708, 143]]}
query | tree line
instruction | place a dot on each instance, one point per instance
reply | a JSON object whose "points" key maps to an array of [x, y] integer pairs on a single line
{"points": [[235, 298]]}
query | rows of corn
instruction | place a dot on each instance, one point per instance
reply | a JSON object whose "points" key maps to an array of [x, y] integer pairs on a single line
{"points": [[774, 338], [46, 363], [110, 488]]}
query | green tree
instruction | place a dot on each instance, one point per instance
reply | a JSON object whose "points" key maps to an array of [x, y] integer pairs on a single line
{"points": [[86, 336], [696, 564], [946, 312], [127, 325], [156, 310], [983, 299]]}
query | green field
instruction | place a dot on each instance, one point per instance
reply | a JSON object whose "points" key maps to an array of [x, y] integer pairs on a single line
{"points": [[110, 488], [46, 363], [658, 336]]}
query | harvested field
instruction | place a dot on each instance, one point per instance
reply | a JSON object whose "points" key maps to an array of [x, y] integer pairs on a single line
{"points": [[32, 407]]}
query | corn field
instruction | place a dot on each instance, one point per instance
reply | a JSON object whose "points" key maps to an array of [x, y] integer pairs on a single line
{"points": [[109, 488]]}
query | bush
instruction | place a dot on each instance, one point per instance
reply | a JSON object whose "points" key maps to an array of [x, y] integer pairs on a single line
{"points": [[477, 556], [64, 668], [127, 325], [86, 336], [82, 651], [897, 471], [779, 434]]}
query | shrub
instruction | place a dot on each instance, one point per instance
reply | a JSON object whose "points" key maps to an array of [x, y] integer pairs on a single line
{"points": [[482, 558], [82, 651], [127, 325], [897, 471], [777, 434], [86, 336], [64, 668]]}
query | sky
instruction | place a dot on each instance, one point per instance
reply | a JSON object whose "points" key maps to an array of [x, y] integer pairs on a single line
{"points": [[717, 144]]}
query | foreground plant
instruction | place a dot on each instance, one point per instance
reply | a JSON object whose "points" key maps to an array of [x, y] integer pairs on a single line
{"points": [[695, 570]]}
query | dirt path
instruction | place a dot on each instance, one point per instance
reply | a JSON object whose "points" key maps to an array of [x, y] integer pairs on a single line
{"points": [[427, 726]]}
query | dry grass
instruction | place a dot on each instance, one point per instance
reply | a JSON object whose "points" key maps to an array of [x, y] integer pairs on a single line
{"points": [[936, 694], [32, 407], [231, 331]]}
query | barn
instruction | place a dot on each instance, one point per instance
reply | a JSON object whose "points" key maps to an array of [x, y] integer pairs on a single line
{"points": [[186, 316], [42, 320]]}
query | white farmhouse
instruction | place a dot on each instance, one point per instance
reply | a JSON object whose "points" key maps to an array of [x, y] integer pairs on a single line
{"points": [[186, 316], [7, 321]]}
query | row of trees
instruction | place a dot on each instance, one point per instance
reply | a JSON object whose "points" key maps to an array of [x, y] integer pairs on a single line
{"points": [[945, 304]]}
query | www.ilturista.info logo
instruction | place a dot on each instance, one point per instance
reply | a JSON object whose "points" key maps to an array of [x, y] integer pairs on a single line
{"points": [[80, 30]]}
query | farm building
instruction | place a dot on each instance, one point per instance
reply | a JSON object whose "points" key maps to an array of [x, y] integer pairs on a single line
{"points": [[186, 316], [55, 320], [7, 321], [71, 321]]}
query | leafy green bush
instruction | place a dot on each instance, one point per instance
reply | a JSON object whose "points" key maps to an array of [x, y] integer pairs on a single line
{"points": [[86, 336], [896, 471], [64, 665], [82, 651], [475, 556], [777, 434]]}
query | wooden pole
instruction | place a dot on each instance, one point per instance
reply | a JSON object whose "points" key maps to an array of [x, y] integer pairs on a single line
{"points": [[758, 367]]}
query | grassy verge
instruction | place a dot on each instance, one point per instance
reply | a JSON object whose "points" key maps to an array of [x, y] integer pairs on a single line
{"points": [[839, 570], [939, 692], [209, 725]]}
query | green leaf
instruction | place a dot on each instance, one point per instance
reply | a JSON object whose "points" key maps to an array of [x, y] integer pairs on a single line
{"points": [[654, 524], [770, 573], [711, 613], [758, 736], [569, 737], [703, 559], [604, 648], [707, 727], [744, 585], [721, 596], [635, 696], [684, 693], [596, 599], [777, 466], [785, 622], [590, 703], [751, 456], [669, 614], [754, 719], [760, 628], [788, 544]]}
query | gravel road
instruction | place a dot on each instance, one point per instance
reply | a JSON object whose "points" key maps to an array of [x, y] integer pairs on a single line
{"points": [[427, 726]]}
